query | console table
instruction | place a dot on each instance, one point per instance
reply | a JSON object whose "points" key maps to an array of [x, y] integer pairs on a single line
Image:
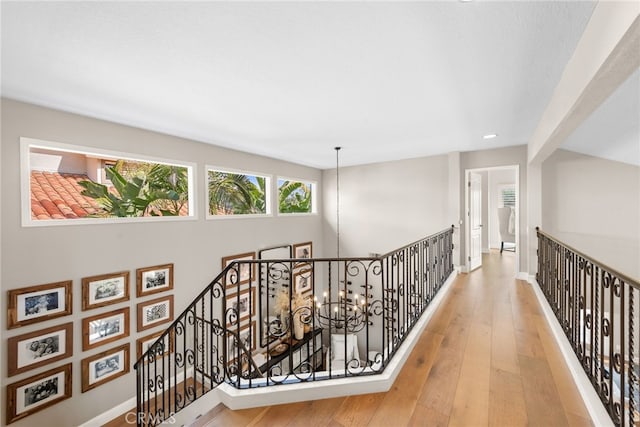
{"points": [[298, 357]]}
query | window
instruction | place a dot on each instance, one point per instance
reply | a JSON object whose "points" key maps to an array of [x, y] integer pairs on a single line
{"points": [[232, 193], [508, 196], [67, 184], [295, 196]]}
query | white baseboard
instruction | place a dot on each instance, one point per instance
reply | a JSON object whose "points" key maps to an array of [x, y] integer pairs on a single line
{"points": [[112, 413], [523, 275], [596, 410], [120, 409]]}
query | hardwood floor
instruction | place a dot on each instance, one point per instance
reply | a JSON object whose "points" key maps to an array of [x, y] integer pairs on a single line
{"points": [[486, 358]]}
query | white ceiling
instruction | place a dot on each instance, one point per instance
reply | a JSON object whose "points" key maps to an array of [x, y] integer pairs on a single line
{"points": [[292, 80]]}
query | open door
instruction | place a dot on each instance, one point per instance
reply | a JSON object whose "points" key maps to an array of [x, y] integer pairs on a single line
{"points": [[475, 220]]}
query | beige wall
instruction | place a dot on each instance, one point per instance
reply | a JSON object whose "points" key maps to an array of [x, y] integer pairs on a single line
{"points": [[593, 204], [38, 255], [385, 206]]}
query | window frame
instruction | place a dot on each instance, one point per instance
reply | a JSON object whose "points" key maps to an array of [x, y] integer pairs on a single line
{"points": [[25, 182], [268, 199], [504, 187], [314, 196]]}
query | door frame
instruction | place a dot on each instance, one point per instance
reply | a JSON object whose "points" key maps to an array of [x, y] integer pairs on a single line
{"points": [[467, 225]]}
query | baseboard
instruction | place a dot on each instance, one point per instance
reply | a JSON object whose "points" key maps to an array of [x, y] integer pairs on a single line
{"points": [[124, 407], [112, 413], [523, 275], [596, 410]]}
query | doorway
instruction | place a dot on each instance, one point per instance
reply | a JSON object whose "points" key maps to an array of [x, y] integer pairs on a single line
{"points": [[487, 190]]}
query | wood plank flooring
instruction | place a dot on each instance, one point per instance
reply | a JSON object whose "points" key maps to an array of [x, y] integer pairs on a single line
{"points": [[486, 358]]}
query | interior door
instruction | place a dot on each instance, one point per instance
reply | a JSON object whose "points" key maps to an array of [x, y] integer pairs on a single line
{"points": [[475, 220]]}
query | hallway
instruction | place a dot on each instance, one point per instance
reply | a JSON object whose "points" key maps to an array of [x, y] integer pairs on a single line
{"points": [[486, 358]]}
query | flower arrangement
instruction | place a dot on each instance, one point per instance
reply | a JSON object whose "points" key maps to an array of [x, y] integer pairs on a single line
{"points": [[282, 301], [297, 301]]}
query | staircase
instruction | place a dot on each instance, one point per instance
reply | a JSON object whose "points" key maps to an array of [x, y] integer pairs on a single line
{"points": [[270, 322]]}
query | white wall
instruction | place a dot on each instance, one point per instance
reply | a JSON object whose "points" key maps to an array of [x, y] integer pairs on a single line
{"points": [[593, 205], [497, 179], [38, 255], [485, 211], [385, 206]]}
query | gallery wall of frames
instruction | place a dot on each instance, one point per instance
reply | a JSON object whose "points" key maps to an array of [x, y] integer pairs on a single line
{"points": [[246, 306], [104, 330]]}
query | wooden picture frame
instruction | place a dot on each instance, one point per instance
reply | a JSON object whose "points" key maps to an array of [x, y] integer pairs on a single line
{"points": [[155, 312], [247, 306], [105, 328], [303, 250], [105, 289], [39, 348], [38, 303], [143, 344], [104, 367], [35, 393], [246, 274], [303, 281], [152, 280], [248, 335]]}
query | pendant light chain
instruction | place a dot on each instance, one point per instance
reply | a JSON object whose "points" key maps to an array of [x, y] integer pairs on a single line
{"points": [[338, 201]]}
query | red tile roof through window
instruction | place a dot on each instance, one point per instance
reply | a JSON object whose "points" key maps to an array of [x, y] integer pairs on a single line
{"points": [[57, 196]]}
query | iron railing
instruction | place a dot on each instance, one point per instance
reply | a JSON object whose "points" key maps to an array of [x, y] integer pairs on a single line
{"points": [[267, 322], [597, 308]]}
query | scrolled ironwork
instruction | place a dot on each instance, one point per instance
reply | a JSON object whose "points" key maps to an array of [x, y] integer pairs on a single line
{"points": [[596, 308], [378, 300]]}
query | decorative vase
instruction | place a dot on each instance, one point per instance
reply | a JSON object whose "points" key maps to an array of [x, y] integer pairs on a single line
{"points": [[298, 327]]}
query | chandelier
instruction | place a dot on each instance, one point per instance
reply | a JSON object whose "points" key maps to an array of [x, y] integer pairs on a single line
{"points": [[349, 311], [351, 314]]}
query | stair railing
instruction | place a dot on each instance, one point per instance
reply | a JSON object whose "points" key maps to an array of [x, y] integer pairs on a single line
{"points": [[597, 308], [322, 318]]}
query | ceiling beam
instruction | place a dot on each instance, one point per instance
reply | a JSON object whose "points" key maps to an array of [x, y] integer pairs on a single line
{"points": [[606, 55]]}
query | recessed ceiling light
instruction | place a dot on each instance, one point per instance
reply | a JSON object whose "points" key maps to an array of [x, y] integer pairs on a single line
{"points": [[490, 136]]}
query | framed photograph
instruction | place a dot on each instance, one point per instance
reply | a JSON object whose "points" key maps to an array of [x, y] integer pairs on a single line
{"points": [[155, 312], [303, 250], [98, 291], [164, 347], [104, 367], [38, 303], [151, 280], [105, 328], [248, 338], [38, 392], [303, 281], [240, 306], [39, 348], [247, 271]]}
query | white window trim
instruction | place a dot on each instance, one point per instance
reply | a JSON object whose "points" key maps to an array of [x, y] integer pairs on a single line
{"points": [[25, 183], [268, 192], [502, 187], [314, 196]]}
